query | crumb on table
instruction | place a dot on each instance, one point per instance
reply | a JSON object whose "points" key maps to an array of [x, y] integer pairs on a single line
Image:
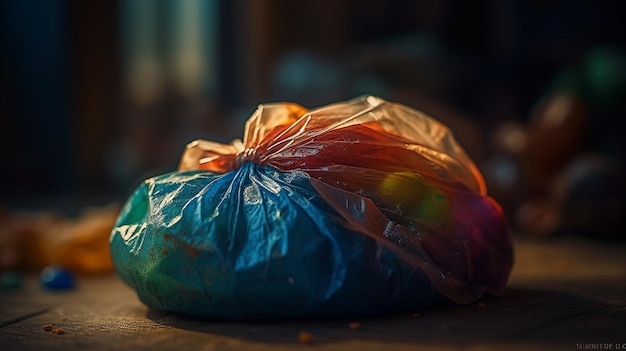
{"points": [[58, 331]]}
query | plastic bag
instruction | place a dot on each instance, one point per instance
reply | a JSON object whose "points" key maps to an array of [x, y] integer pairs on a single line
{"points": [[355, 208]]}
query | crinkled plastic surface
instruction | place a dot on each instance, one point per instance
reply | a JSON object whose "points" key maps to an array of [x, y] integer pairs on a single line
{"points": [[359, 207]]}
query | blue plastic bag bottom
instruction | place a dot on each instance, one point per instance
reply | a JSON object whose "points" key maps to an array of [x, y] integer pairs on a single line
{"points": [[255, 243]]}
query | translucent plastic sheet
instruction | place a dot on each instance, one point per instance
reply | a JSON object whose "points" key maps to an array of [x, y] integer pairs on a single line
{"points": [[359, 207]]}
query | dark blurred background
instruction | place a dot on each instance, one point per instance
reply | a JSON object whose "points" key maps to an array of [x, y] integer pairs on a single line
{"points": [[98, 95]]}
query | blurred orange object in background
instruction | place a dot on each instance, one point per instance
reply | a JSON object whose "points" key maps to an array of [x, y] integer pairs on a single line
{"points": [[31, 241]]}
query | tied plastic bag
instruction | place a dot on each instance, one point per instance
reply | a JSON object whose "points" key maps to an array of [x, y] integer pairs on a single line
{"points": [[359, 207]]}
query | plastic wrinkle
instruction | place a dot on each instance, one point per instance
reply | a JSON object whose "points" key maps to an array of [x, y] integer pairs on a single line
{"points": [[358, 207]]}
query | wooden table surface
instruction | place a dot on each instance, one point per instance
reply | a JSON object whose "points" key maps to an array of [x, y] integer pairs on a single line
{"points": [[564, 294]]}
